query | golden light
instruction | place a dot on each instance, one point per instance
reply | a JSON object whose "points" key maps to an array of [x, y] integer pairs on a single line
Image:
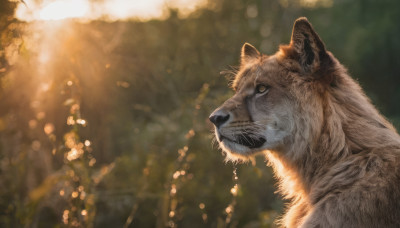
{"points": [[173, 190], [74, 194], [127, 8], [65, 216], [64, 9], [81, 122], [111, 10], [74, 153], [49, 128], [87, 143], [229, 209], [234, 190], [70, 120], [176, 175]]}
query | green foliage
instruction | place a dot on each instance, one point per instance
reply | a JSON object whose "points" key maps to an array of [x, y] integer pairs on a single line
{"points": [[106, 123]]}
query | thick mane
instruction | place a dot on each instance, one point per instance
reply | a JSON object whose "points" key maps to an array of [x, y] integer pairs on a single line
{"points": [[343, 135]]}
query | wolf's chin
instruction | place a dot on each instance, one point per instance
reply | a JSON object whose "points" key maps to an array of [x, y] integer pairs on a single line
{"points": [[236, 152]]}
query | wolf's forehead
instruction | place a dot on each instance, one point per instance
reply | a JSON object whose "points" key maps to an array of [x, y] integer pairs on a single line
{"points": [[269, 65], [247, 75], [261, 71]]}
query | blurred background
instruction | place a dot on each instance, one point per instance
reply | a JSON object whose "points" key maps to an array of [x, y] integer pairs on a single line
{"points": [[104, 105]]}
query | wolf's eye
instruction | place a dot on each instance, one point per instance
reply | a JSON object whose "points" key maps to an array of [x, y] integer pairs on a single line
{"points": [[261, 88]]}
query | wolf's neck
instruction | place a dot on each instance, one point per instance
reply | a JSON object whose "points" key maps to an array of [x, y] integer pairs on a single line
{"points": [[350, 125]]}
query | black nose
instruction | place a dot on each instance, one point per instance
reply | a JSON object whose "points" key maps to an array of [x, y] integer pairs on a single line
{"points": [[218, 118]]}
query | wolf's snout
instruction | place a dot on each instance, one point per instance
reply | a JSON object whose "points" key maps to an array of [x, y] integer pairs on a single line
{"points": [[219, 117]]}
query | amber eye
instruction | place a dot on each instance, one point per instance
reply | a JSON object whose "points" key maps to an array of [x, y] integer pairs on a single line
{"points": [[261, 88]]}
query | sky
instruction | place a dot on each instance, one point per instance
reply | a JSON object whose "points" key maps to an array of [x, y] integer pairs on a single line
{"points": [[106, 9]]}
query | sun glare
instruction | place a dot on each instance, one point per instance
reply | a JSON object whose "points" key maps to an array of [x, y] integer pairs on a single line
{"points": [[106, 9], [64, 9]]}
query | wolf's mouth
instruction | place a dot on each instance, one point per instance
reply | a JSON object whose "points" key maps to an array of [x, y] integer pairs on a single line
{"points": [[246, 140]]}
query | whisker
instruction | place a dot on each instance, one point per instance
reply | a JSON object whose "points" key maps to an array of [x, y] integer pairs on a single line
{"points": [[247, 139], [230, 74]]}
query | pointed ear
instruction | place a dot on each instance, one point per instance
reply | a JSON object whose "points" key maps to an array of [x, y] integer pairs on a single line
{"points": [[310, 50], [249, 53]]}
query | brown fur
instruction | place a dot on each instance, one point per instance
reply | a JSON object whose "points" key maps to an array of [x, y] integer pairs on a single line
{"points": [[336, 157]]}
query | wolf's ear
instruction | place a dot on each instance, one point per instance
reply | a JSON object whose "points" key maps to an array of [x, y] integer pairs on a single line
{"points": [[308, 47], [248, 54]]}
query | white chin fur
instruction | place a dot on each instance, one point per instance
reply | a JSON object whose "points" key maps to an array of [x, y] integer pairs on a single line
{"points": [[235, 152]]}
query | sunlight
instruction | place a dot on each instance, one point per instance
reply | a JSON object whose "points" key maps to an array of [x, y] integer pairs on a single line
{"points": [[128, 8], [64, 9], [85, 10]]}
